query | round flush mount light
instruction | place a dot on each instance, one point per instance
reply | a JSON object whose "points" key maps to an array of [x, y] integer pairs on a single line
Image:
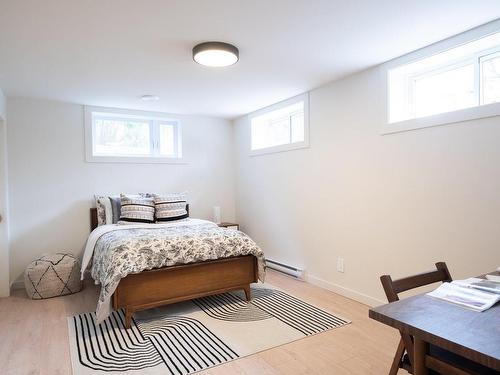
{"points": [[150, 98], [215, 54]]}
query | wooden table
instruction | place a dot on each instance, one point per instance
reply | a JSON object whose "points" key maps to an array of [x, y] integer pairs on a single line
{"points": [[470, 334]]}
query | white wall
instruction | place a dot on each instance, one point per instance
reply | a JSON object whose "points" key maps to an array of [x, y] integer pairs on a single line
{"points": [[51, 186], [4, 209], [386, 203], [3, 106]]}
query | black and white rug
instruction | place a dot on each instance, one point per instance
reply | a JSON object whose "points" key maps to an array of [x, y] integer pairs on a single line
{"points": [[191, 336]]}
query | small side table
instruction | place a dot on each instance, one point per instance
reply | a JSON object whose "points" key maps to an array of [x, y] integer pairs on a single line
{"points": [[229, 225]]}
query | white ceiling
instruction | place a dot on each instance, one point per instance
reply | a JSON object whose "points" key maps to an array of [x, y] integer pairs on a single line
{"points": [[110, 52]]}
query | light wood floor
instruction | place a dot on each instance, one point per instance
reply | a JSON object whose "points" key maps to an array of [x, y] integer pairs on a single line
{"points": [[34, 337]]}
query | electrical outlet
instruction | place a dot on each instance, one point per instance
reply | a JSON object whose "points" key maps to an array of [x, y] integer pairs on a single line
{"points": [[340, 264]]}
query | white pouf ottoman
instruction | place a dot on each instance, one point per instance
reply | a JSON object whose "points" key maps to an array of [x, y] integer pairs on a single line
{"points": [[52, 275]]}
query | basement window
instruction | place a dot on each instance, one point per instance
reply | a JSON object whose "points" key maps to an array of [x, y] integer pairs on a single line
{"points": [[458, 84], [281, 127], [131, 136]]}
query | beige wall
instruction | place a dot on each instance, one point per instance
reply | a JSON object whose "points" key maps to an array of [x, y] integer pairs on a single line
{"points": [[51, 186], [386, 203]]}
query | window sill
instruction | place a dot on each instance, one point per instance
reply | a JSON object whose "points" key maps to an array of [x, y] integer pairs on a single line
{"points": [[282, 148], [466, 114], [134, 160]]}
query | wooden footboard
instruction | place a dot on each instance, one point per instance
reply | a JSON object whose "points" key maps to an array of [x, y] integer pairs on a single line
{"points": [[179, 283]]}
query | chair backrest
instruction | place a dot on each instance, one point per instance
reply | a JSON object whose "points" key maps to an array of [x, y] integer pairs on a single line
{"points": [[393, 287]]}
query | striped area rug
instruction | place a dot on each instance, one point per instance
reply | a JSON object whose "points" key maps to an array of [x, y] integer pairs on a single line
{"points": [[191, 336]]}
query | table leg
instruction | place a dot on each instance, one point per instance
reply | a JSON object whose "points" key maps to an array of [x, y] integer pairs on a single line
{"points": [[420, 348]]}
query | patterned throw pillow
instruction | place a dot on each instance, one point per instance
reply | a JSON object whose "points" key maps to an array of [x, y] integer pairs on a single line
{"points": [[109, 207], [135, 209], [170, 207], [104, 210]]}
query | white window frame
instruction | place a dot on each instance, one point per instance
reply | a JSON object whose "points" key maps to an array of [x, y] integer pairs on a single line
{"points": [[288, 146], [492, 54], [153, 118], [472, 113]]}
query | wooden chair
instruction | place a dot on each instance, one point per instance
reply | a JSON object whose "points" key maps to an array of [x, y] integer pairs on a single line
{"points": [[404, 353]]}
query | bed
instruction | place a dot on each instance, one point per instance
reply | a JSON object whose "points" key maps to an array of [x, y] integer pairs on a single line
{"points": [[174, 283]]}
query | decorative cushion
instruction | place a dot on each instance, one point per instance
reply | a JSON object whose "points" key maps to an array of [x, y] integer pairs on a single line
{"points": [[116, 207], [53, 275], [136, 210], [109, 207], [104, 210], [170, 207]]}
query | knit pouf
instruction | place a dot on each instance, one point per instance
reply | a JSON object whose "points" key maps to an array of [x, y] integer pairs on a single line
{"points": [[52, 275]]}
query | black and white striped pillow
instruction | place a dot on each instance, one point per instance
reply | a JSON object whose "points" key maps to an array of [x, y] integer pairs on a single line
{"points": [[170, 207], [136, 209]]}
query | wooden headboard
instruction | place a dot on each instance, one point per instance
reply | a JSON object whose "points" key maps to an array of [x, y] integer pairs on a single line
{"points": [[93, 217]]}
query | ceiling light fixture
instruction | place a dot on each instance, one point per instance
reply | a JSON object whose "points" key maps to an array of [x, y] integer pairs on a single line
{"points": [[215, 54], [150, 98]]}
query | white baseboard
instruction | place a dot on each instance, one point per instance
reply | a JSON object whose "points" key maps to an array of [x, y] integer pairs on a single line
{"points": [[4, 292], [346, 292]]}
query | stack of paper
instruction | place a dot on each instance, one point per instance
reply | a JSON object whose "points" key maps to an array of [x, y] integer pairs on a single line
{"points": [[463, 293], [495, 276], [481, 284]]}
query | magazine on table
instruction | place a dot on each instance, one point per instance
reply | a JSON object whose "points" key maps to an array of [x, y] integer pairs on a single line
{"points": [[466, 296], [494, 276], [481, 284]]}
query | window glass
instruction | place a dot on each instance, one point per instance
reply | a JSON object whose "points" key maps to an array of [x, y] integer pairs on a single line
{"points": [[462, 77], [278, 127], [490, 83], [445, 91], [167, 139], [297, 127], [121, 137]]}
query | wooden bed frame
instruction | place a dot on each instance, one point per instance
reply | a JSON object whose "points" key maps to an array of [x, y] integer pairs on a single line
{"points": [[167, 285]]}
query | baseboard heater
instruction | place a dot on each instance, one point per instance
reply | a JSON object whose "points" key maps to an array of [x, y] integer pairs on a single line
{"points": [[284, 268]]}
